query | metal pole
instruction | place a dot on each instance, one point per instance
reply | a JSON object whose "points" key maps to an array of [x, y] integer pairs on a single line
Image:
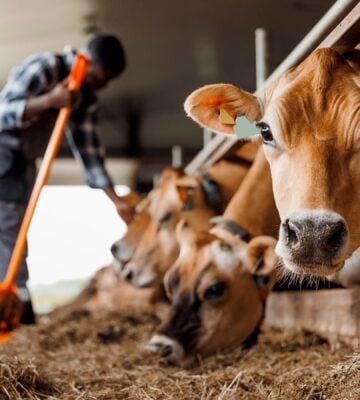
{"points": [[177, 156], [261, 56], [327, 23], [207, 136]]}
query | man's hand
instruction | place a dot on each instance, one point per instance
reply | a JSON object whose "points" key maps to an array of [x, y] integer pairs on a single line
{"points": [[125, 211], [60, 96]]}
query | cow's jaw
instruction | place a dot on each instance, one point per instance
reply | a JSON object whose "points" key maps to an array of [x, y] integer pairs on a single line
{"points": [[313, 242]]}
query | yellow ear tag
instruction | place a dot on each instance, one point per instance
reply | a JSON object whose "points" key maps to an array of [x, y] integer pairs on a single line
{"points": [[225, 117]]}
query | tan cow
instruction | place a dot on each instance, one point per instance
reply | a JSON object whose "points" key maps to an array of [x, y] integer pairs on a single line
{"points": [[216, 302], [124, 248], [218, 284], [174, 196], [193, 198], [309, 120]]}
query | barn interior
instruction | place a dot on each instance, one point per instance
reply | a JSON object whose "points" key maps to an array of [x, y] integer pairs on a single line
{"points": [[171, 50], [87, 344]]}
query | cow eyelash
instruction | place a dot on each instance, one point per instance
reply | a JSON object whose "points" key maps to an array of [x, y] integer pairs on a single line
{"points": [[166, 217], [266, 133], [215, 291]]}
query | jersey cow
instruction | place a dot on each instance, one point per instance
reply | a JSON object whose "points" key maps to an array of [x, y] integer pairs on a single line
{"points": [[215, 301], [309, 119], [178, 196], [219, 283], [124, 248]]}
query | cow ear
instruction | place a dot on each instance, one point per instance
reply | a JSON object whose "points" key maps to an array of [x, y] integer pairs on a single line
{"points": [[143, 205], [132, 199], [184, 187], [171, 281], [217, 106], [261, 257]]}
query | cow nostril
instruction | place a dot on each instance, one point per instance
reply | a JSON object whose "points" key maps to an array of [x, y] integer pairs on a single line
{"points": [[127, 274], [166, 351], [292, 233], [336, 235], [113, 249]]}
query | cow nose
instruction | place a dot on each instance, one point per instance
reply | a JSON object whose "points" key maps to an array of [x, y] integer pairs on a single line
{"points": [[127, 273], [166, 347], [314, 236], [114, 249]]}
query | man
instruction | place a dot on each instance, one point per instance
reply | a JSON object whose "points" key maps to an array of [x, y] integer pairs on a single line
{"points": [[29, 103]]}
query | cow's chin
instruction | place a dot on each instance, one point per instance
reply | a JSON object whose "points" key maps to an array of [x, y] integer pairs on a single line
{"points": [[144, 280], [312, 268]]}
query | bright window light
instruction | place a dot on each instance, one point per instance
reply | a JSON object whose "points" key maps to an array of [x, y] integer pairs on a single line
{"points": [[71, 233]]}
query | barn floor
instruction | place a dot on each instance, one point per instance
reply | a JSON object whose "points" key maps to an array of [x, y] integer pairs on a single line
{"points": [[76, 354]]}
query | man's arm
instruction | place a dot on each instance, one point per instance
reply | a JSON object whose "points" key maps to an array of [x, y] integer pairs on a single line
{"points": [[60, 96], [30, 90], [86, 147], [125, 211]]}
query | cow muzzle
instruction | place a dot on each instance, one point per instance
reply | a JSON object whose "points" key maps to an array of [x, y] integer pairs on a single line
{"points": [[313, 242], [121, 252], [138, 275], [166, 347]]}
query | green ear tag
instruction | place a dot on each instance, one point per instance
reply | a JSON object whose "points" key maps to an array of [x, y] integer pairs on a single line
{"points": [[243, 128]]}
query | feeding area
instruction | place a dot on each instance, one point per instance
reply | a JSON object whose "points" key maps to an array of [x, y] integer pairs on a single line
{"points": [[212, 251]]}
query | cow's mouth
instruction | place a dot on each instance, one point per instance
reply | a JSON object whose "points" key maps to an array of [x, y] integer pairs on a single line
{"points": [[144, 280], [312, 268]]}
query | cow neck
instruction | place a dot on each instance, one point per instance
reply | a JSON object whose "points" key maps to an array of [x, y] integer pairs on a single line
{"points": [[253, 207], [212, 194], [224, 226]]}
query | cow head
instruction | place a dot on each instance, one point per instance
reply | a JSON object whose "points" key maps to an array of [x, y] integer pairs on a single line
{"points": [[215, 301], [309, 120], [123, 249], [176, 196]]}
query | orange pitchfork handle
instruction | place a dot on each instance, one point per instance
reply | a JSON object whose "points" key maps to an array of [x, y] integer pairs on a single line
{"points": [[75, 80]]}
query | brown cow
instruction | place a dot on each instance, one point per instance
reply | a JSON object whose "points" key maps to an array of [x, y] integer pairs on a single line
{"points": [[215, 300], [124, 248], [204, 257], [193, 198], [175, 196], [309, 120]]}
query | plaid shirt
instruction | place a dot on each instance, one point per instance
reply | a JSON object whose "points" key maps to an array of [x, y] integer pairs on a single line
{"points": [[39, 74]]}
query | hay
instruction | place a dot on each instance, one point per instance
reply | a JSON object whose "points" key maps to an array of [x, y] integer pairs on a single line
{"points": [[77, 354], [21, 379]]}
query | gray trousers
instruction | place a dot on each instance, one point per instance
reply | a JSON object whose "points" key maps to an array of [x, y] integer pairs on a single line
{"points": [[11, 215]]}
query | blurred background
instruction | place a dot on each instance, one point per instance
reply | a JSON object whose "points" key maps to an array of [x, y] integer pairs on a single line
{"points": [[172, 48]]}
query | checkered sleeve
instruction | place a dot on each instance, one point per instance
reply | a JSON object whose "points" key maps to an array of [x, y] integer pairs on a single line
{"points": [[31, 78], [86, 147]]}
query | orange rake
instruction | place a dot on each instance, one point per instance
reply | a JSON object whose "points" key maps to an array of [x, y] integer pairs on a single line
{"points": [[10, 305]]}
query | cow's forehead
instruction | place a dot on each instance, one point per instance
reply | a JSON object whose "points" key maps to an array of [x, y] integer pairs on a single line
{"points": [[320, 99], [204, 258]]}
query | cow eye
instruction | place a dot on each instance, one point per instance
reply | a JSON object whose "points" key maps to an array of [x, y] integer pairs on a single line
{"points": [[215, 291], [166, 217], [265, 131]]}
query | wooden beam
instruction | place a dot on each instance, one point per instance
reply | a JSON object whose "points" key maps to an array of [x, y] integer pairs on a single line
{"points": [[343, 38], [346, 35], [331, 313]]}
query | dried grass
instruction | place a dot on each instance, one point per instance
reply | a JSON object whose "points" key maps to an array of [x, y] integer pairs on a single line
{"points": [[77, 354]]}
